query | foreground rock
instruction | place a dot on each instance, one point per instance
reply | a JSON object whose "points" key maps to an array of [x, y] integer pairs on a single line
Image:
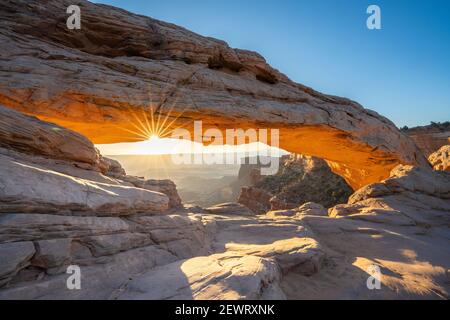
{"points": [[30, 182], [166, 187], [152, 67], [440, 160], [60, 209]]}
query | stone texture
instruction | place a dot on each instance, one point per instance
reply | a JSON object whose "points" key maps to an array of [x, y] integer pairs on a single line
{"points": [[35, 185], [312, 209], [216, 277], [52, 253], [14, 257], [256, 199], [411, 196], [113, 168], [166, 187], [152, 67], [400, 224], [230, 209], [300, 179], [29, 135], [28, 188], [440, 160], [430, 138]]}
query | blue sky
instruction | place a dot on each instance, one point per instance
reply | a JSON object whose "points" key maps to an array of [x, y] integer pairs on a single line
{"points": [[401, 71]]}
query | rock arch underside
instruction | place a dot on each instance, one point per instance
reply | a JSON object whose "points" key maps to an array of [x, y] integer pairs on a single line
{"points": [[62, 203], [120, 65]]}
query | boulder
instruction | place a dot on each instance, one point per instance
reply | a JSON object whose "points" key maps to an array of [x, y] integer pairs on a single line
{"points": [[258, 200], [166, 187], [216, 277], [440, 160], [31, 188]]}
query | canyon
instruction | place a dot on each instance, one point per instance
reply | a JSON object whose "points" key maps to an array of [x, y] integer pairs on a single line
{"points": [[62, 203]]}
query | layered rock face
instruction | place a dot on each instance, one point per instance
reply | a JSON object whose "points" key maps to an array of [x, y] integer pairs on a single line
{"points": [[148, 67], [57, 208], [128, 245], [62, 204], [440, 160], [166, 187], [430, 138], [301, 179]]}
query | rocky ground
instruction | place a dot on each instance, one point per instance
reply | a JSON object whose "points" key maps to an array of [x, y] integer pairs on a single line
{"points": [[134, 240]]}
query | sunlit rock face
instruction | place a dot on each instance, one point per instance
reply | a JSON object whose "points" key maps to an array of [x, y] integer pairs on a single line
{"points": [[431, 138], [119, 66], [300, 179], [440, 160]]}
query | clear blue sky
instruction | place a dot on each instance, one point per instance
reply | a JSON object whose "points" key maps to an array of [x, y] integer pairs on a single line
{"points": [[401, 71]]}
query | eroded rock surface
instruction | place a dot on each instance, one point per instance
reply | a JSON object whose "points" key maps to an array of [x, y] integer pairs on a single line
{"points": [[430, 138], [300, 179], [59, 209], [440, 160], [150, 67]]}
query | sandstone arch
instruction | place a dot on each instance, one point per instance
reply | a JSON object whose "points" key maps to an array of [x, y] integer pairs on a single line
{"points": [[95, 80]]}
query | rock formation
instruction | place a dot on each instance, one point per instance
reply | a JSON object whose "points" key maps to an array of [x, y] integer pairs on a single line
{"points": [[121, 67], [440, 160], [300, 179], [430, 138], [166, 187], [136, 248], [57, 208], [62, 203]]}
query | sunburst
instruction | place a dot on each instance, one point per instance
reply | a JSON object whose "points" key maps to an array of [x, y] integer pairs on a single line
{"points": [[153, 121]]}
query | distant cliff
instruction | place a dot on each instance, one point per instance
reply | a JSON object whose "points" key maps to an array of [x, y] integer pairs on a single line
{"points": [[430, 138], [300, 179]]}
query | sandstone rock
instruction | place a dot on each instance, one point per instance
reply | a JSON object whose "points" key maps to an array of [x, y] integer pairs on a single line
{"points": [[312, 209], [106, 245], [113, 168], [166, 187], [216, 277], [28, 188], [301, 255], [99, 281], [14, 257], [440, 160], [230, 209], [168, 71], [33, 227], [52, 253], [36, 157], [411, 196], [300, 179], [258, 200], [430, 138], [32, 136]]}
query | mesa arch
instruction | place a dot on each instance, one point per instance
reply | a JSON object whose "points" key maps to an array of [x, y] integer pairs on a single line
{"points": [[97, 79]]}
